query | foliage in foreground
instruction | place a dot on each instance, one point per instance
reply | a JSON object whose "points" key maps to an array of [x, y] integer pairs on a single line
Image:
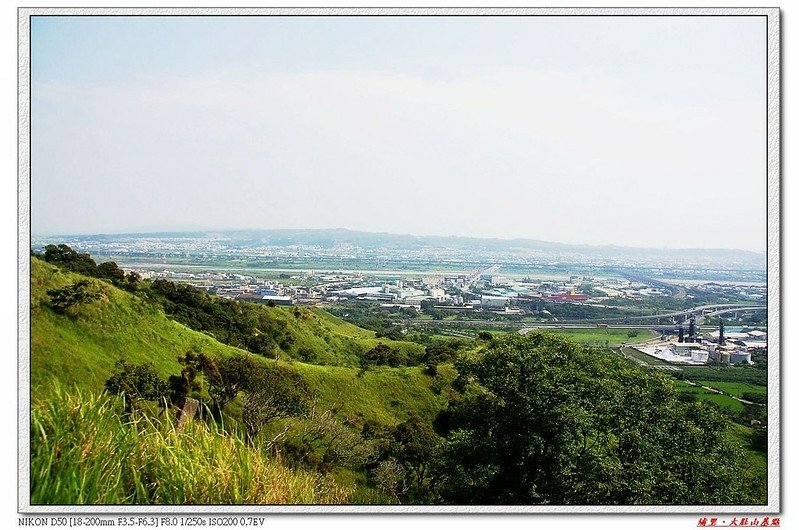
{"points": [[84, 451], [544, 421]]}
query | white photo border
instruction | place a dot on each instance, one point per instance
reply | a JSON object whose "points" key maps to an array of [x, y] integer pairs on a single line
{"points": [[773, 254]]}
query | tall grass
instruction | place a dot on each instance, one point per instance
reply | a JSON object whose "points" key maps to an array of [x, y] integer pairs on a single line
{"points": [[84, 451]]}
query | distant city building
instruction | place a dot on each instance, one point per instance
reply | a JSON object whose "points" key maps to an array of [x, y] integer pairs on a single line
{"points": [[437, 293], [494, 302], [567, 297], [278, 300]]}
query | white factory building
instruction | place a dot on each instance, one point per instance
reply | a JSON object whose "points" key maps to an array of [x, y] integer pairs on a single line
{"points": [[696, 351], [494, 302]]}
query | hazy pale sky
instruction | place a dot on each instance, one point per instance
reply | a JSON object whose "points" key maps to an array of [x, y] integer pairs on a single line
{"points": [[635, 131]]}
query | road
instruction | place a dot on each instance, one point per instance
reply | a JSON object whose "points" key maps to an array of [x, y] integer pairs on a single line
{"points": [[527, 325], [685, 313]]}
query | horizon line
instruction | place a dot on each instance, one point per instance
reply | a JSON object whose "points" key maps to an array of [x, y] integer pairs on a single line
{"points": [[150, 231]]}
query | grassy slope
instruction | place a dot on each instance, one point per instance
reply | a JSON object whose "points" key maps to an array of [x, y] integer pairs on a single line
{"points": [[81, 349], [385, 395], [330, 340]]}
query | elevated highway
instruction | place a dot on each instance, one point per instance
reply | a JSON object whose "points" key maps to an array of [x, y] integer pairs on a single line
{"points": [[706, 310], [614, 322]]}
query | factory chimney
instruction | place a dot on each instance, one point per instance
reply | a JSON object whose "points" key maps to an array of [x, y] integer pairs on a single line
{"points": [[692, 329], [681, 337], [721, 333]]}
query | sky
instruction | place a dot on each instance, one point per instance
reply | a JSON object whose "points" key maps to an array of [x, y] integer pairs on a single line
{"points": [[632, 131]]}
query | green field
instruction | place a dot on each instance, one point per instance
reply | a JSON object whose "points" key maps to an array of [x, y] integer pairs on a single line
{"points": [[603, 336], [735, 389], [733, 374], [703, 394]]}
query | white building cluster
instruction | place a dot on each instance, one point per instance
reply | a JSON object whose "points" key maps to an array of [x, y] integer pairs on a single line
{"points": [[736, 347]]}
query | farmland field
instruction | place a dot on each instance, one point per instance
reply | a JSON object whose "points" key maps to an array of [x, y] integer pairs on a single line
{"points": [[735, 389], [603, 336], [703, 394]]}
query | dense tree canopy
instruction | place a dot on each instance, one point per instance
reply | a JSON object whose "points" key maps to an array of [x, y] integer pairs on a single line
{"points": [[68, 259], [544, 421], [64, 256]]}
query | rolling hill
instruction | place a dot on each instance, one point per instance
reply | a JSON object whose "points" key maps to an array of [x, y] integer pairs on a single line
{"points": [[80, 348]]}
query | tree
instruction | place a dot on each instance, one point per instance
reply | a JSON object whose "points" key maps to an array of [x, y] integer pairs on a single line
{"points": [[132, 279], [388, 477], [325, 442], [391, 332], [194, 364], [281, 393], [79, 292], [136, 382], [230, 375], [413, 445], [545, 421], [427, 305], [63, 256], [759, 437], [110, 271]]}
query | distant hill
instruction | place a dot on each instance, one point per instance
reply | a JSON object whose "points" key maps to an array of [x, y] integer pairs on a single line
{"points": [[721, 258]]}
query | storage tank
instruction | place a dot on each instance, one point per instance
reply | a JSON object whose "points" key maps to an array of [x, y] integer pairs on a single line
{"points": [[740, 357]]}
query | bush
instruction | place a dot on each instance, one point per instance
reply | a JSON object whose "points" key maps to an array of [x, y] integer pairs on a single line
{"points": [[382, 355], [754, 397], [137, 382], [80, 292], [252, 327]]}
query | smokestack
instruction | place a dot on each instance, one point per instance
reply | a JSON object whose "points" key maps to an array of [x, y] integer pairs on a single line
{"points": [[681, 337], [721, 333], [692, 329]]}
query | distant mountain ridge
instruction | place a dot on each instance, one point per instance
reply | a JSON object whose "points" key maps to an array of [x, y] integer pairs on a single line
{"points": [[339, 236]]}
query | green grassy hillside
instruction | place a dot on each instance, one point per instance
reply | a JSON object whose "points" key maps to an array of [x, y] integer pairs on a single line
{"points": [[81, 347], [322, 338]]}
